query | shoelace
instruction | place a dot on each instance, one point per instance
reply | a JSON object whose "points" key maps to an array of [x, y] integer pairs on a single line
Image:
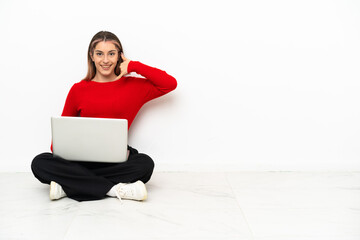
{"points": [[118, 196], [123, 191]]}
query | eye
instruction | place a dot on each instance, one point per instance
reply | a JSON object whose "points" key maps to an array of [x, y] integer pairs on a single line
{"points": [[98, 54], [112, 54]]}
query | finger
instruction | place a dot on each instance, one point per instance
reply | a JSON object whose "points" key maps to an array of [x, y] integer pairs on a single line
{"points": [[122, 73], [119, 76]]}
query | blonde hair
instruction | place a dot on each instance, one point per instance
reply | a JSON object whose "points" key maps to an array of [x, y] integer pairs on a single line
{"points": [[102, 36]]}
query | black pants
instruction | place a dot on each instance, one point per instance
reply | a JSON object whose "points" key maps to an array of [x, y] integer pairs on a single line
{"points": [[84, 181]]}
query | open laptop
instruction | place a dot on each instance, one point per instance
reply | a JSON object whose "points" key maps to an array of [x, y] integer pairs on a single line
{"points": [[90, 139]]}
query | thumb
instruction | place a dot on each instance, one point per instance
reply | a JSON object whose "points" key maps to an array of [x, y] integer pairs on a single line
{"points": [[123, 57]]}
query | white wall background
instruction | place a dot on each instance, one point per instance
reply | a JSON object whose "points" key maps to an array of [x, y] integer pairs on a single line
{"points": [[262, 85]]}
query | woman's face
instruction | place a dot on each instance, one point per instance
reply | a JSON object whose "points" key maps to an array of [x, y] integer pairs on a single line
{"points": [[105, 57]]}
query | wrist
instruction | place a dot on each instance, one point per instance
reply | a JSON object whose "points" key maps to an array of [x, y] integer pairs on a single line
{"points": [[130, 67]]}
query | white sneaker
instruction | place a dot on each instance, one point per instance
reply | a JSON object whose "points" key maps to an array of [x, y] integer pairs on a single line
{"points": [[56, 191], [133, 191]]}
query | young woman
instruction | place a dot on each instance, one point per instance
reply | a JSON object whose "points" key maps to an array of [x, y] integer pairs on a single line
{"points": [[105, 92]]}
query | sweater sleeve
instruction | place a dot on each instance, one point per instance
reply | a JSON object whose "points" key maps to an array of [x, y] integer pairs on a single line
{"points": [[70, 107], [161, 82], [71, 103]]}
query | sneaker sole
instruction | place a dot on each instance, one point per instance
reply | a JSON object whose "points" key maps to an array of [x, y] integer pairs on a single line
{"points": [[53, 191], [143, 190]]}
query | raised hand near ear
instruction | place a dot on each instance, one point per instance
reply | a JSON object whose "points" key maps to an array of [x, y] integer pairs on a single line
{"points": [[123, 66]]}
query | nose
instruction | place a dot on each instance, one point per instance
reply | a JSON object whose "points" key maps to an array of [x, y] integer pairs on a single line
{"points": [[106, 59]]}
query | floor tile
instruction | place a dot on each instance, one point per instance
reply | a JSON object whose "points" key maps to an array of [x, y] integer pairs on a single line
{"points": [[179, 206], [297, 198], [27, 213], [195, 190], [347, 180], [189, 205], [158, 223], [335, 223], [309, 238]]}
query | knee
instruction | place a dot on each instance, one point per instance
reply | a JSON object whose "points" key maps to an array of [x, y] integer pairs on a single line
{"points": [[147, 162], [38, 161], [147, 165], [38, 166]]}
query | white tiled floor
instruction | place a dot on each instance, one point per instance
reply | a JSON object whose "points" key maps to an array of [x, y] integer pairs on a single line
{"points": [[241, 205]]}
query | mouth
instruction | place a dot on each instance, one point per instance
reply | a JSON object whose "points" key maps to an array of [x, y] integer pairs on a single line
{"points": [[106, 67]]}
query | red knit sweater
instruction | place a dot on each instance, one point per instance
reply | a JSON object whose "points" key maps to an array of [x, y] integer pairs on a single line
{"points": [[122, 98]]}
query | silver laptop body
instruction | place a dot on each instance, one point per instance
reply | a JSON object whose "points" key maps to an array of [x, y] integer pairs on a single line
{"points": [[90, 139]]}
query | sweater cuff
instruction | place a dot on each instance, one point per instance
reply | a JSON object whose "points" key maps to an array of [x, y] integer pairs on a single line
{"points": [[132, 66]]}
